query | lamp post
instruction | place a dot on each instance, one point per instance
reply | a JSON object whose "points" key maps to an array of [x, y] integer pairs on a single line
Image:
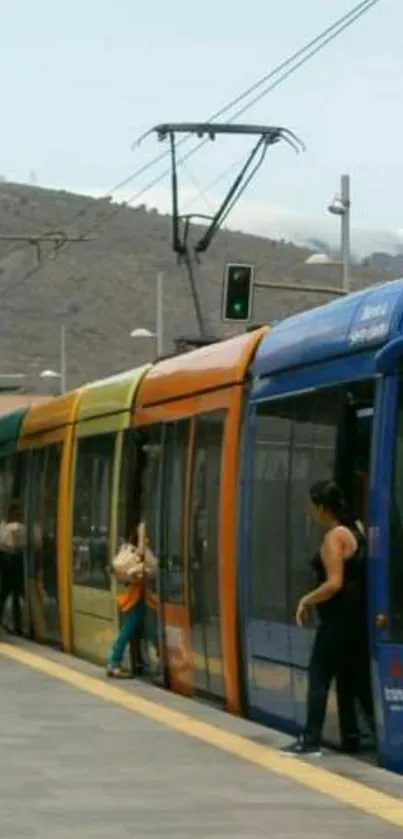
{"points": [[62, 373], [51, 375], [341, 206], [159, 326]]}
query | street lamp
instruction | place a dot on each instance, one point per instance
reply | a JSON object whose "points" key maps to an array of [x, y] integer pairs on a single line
{"points": [[51, 375], [341, 206], [321, 259], [142, 333], [159, 327]]}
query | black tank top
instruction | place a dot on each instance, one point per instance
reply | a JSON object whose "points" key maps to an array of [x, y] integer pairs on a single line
{"points": [[349, 602]]}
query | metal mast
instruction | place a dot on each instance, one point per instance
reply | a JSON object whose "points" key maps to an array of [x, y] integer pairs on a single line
{"points": [[181, 223]]}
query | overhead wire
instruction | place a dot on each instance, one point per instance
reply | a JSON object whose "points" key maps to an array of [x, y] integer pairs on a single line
{"points": [[303, 55], [345, 19], [365, 6], [348, 19]]}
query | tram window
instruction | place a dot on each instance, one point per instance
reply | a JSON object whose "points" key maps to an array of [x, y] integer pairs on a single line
{"points": [[295, 446], [269, 512], [6, 483], [125, 482], [204, 523], [396, 532], [53, 455], [19, 467], [150, 484], [176, 436], [35, 517], [13, 482], [3, 490], [92, 504], [131, 470], [149, 497], [42, 543], [316, 419]]}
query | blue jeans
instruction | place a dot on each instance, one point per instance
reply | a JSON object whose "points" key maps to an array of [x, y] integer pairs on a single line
{"points": [[132, 620]]}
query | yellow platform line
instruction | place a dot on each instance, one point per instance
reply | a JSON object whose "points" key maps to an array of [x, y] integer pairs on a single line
{"points": [[344, 790]]}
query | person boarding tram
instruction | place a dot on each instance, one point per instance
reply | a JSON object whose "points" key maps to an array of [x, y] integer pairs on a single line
{"points": [[339, 598], [128, 567]]}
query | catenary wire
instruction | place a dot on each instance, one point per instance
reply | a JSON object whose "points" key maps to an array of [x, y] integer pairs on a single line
{"points": [[311, 49]]}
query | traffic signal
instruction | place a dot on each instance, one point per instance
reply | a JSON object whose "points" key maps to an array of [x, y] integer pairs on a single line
{"points": [[237, 292]]}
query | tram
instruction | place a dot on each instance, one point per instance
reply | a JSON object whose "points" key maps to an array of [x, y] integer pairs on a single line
{"points": [[227, 440]]}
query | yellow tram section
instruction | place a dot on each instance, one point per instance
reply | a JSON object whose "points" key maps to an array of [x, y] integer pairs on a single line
{"points": [[46, 428], [61, 442], [103, 416]]}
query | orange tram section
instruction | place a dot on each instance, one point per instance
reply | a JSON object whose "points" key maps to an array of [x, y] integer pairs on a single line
{"points": [[162, 442]]}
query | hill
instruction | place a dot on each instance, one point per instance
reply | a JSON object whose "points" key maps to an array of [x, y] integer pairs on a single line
{"points": [[103, 288]]}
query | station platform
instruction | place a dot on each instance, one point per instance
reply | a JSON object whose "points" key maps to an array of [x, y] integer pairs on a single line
{"points": [[86, 757]]}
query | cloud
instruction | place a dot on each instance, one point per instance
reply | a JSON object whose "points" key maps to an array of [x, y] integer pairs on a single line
{"points": [[265, 219]]}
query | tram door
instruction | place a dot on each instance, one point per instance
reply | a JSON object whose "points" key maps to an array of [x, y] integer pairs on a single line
{"points": [[386, 571], [354, 480], [93, 607], [42, 545], [203, 563], [145, 495], [171, 551]]}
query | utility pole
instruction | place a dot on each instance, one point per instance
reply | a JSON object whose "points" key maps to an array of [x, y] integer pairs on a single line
{"points": [[341, 206], [345, 231]]}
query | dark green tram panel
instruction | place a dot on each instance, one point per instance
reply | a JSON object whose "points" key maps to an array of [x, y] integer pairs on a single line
{"points": [[10, 425]]}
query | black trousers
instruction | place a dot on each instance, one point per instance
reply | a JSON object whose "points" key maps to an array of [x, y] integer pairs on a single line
{"points": [[340, 652], [353, 683], [12, 585]]}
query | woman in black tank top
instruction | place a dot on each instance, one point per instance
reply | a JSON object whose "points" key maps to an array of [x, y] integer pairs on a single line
{"points": [[339, 598]]}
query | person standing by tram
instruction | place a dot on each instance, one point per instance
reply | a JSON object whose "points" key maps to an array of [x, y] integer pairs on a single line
{"points": [[339, 598]]}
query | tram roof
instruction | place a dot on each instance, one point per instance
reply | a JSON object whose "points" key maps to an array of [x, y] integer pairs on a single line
{"points": [[359, 322], [110, 396], [48, 416], [10, 425], [209, 368]]}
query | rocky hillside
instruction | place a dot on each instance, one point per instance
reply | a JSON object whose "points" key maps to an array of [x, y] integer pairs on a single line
{"points": [[103, 288]]}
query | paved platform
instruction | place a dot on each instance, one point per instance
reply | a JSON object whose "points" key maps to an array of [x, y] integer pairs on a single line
{"points": [[83, 757]]}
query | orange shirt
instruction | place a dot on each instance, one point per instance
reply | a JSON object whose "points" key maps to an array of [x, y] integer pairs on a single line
{"points": [[130, 598]]}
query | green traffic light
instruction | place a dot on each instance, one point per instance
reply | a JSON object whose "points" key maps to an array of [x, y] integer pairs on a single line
{"points": [[237, 291]]}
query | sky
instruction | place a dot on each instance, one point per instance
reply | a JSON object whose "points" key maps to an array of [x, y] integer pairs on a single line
{"points": [[81, 81]]}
